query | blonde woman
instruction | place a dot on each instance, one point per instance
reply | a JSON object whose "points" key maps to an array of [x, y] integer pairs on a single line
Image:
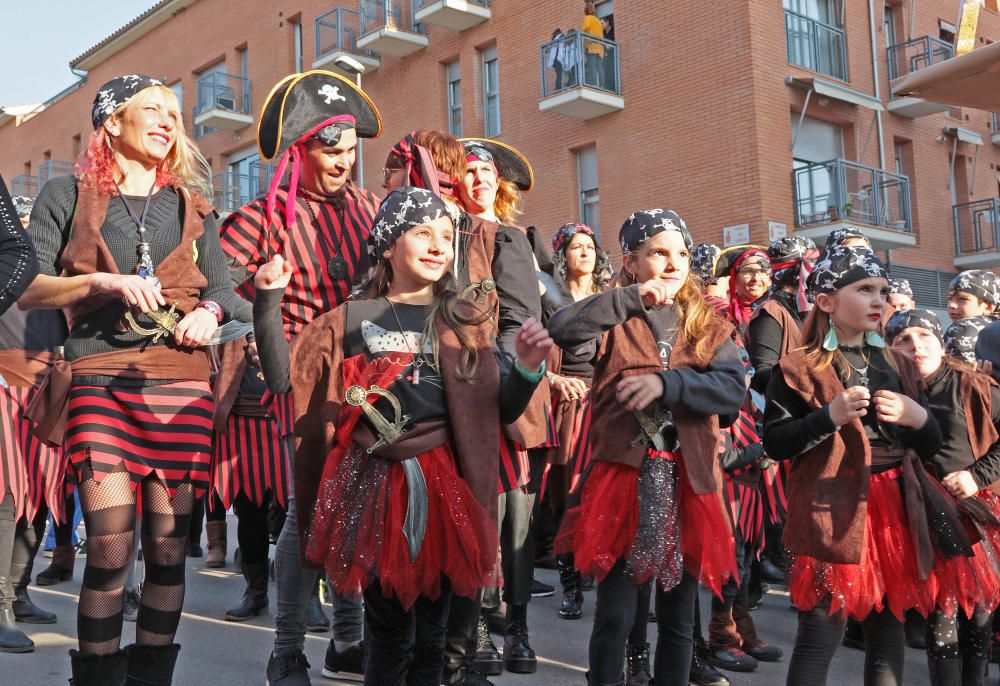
{"points": [[129, 248]]}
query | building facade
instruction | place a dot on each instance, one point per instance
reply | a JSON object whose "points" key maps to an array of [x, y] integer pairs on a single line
{"points": [[752, 119]]}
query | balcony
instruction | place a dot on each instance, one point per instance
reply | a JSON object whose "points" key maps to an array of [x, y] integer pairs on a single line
{"points": [[908, 57], [24, 184], [223, 102], [457, 15], [337, 36], [816, 46], [50, 169], [232, 190], [995, 127], [837, 193], [386, 30], [977, 234], [581, 77]]}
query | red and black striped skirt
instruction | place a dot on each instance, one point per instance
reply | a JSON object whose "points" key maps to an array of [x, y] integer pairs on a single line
{"points": [[515, 467], [29, 469], [282, 410], [774, 491], [250, 459], [746, 507], [163, 430]]}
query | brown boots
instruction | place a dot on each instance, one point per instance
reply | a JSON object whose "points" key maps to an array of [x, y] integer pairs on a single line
{"points": [[216, 533]]}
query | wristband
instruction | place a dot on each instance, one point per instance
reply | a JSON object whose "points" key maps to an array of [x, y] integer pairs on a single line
{"points": [[212, 307], [533, 377]]}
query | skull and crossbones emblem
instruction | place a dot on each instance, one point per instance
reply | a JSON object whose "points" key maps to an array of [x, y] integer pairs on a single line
{"points": [[331, 93]]}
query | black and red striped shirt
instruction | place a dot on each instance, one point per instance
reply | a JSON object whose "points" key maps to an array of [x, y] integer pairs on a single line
{"points": [[344, 223]]}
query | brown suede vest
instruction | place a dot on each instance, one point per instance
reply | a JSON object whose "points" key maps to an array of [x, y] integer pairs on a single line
{"points": [[630, 349], [473, 409], [828, 485], [791, 329], [974, 389], [87, 253]]}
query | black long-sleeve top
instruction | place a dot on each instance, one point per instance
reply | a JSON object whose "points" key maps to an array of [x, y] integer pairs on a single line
{"points": [[379, 335], [765, 336], [18, 261], [792, 428], [720, 389], [945, 402], [517, 285]]}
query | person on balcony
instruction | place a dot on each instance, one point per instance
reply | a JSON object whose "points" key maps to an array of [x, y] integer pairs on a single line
{"points": [[594, 50]]}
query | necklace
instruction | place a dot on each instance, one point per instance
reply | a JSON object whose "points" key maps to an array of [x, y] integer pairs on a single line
{"points": [[862, 371], [337, 267], [402, 332], [144, 267]]}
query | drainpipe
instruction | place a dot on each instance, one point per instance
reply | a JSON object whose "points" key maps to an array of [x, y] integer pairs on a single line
{"points": [[875, 78]]}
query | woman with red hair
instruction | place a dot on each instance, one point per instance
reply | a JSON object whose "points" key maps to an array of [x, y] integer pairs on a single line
{"points": [[130, 249]]}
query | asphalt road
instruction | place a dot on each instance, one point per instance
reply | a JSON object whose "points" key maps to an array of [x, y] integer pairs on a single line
{"points": [[218, 652]]}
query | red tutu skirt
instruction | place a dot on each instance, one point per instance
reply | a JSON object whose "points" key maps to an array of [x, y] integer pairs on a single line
{"points": [[357, 529], [660, 529], [887, 575]]}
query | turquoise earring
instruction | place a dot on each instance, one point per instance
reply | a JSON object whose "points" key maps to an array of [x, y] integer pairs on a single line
{"points": [[830, 341], [873, 339]]}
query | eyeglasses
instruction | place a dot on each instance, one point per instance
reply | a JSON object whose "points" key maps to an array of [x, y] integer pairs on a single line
{"points": [[750, 272], [387, 173]]}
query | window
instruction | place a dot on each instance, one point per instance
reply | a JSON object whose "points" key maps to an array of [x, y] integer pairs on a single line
{"points": [[491, 92], [586, 175], [178, 89], [296, 44], [242, 183], [244, 62], [817, 141], [826, 11], [454, 74], [890, 25]]}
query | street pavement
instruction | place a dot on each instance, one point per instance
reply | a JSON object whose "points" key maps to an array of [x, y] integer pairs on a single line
{"points": [[227, 653]]}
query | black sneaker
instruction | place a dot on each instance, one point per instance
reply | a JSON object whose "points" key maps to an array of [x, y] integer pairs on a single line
{"points": [[349, 664], [540, 590], [288, 669]]}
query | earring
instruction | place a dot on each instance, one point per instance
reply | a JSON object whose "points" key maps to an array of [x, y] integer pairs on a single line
{"points": [[830, 340], [873, 339]]}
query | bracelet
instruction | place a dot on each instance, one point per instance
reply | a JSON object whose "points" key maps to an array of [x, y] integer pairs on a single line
{"points": [[212, 307], [533, 377]]}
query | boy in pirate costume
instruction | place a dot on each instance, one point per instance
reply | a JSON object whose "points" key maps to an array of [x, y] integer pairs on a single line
{"points": [[973, 293], [319, 221], [900, 296]]}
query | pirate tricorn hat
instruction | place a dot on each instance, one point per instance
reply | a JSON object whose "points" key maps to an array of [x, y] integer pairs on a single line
{"points": [[302, 105], [510, 163], [730, 257]]}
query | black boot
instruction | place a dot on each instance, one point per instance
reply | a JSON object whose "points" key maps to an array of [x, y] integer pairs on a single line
{"points": [[12, 639], [487, 660], [702, 673], [854, 635], [591, 682], [254, 597], [945, 671], [637, 665], [151, 665], [61, 567], [518, 656], [572, 600], [98, 670], [915, 630], [27, 612], [974, 670], [467, 677]]}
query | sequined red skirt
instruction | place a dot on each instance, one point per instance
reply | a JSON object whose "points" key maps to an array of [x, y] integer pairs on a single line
{"points": [[887, 575], [651, 518], [357, 529]]}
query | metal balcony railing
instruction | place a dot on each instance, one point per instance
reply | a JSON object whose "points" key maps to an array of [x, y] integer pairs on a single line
{"points": [[376, 14], [839, 190], [232, 190], [50, 169], [580, 59], [222, 91], [815, 45], [995, 122], [916, 54], [420, 4], [24, 184], [338, 30], [977, 226]]}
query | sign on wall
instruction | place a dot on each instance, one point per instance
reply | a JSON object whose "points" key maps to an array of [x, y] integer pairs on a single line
{"points": [[735, 235], [776, 230]]}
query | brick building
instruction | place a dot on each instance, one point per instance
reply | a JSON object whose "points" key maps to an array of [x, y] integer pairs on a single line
{"points": [[748, 115]]}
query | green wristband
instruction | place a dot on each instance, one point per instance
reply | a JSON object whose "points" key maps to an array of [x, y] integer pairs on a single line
{"points": [[533, 377]]}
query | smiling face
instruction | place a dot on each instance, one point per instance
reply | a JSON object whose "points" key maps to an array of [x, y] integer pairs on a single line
{"points": [[664, 257], [921, 346], [423, 254], [856, 308], [962, 305], [326, 168], [147, 128], [752, 279], [581, 255], [478, 190]]}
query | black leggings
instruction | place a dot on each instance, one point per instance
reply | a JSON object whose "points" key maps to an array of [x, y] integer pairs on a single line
{"points": [[27, 539], [959, 637], [615, 621], [109, 511], [819, 635]]}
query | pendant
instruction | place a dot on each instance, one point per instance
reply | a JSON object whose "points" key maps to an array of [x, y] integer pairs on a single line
{"points": [[337, 268], [416, 374]]}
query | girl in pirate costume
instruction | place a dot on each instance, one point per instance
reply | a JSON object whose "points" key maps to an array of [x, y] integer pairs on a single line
{"points": [[130, 249], [966, 404], [862, 542], [665, 369], [397, 395]]}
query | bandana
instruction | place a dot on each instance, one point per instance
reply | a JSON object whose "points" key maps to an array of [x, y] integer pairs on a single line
{"points": [[741, 311], [842, 266], [905, 319], [565, 233], [421, 172], [792, 260], [703, 260], [643, 225], [401, 210], [23, 204], [982, 284], [900, 287], [116, 93], [960, 338], [840, 235]]}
